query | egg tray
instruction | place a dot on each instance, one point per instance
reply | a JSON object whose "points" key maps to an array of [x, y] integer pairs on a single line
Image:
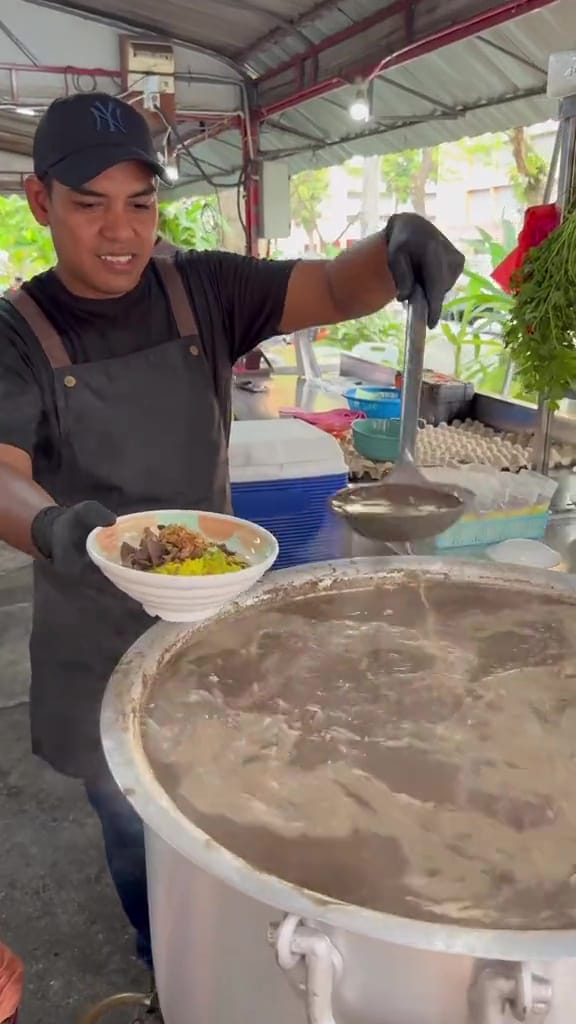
{"points": [[461, 444]]}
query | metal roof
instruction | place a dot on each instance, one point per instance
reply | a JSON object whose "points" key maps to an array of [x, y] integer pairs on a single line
{"points": [[439, 71]]}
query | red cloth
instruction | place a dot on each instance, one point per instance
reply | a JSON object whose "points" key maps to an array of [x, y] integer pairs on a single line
{"points": [[539, 222], [11, 984]]}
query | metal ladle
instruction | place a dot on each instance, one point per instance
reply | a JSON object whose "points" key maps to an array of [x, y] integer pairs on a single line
{"points": [[406, 506]]}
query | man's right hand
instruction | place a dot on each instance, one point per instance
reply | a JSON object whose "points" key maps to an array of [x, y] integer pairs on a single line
{"points": [[59, 534]]}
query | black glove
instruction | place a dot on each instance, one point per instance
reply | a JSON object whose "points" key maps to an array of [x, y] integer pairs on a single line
{"points": [[420, 254], [60, 533]]}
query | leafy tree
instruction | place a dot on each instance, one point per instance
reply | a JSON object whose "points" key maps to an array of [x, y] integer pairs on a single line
{"points": [[308, 191], [191, 223], [26, 247], [231, 212], [530, 168], [407, 174]]}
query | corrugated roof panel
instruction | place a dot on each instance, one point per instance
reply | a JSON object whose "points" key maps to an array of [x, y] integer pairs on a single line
{"points": [[225, 26], [386, 34], [481, 84], [516, 113], [485, 89]]}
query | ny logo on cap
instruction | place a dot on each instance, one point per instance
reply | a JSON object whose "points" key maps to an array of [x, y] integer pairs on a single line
{"points": [[108, 117]]}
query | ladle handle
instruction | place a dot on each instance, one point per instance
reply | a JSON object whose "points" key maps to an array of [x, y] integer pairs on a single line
{"points": [[413, 368]]}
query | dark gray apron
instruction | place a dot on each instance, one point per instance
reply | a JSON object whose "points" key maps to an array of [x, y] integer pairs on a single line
{"points": [[144, 431]]}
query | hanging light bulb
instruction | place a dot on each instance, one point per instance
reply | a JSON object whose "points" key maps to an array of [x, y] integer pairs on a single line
{"points": [[359, 108]]}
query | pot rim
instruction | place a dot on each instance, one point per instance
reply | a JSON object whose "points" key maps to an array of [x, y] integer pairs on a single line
{"points": [[130, 768]]}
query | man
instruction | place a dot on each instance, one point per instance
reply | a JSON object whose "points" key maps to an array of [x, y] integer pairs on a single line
{"points": [[16, 284], [115, 393], [164, 248]]}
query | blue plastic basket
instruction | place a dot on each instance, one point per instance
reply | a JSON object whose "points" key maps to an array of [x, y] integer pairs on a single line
{"points": [[383, 403], [297, 512], [492, 529], [378, 440]]}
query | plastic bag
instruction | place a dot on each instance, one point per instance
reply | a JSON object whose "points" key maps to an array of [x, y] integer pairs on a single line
{"points": [[495, 490], [11, 985], [539, 222]]}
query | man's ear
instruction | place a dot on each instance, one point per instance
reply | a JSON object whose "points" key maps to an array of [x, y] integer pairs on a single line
{"points": [[38, 196]]}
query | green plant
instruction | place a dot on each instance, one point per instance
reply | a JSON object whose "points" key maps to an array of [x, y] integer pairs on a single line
{"points": [[530, 168], [191, 223], [485, 244], [308, 191], [541, 330], [407, 174], [478, 316], [27, 246], [384, 329]]}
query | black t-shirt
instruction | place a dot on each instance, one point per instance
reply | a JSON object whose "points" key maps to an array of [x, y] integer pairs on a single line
{"points": [[238, 302]]}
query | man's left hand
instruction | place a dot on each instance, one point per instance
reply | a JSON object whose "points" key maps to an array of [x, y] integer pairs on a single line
{"points": [[419, 254]]}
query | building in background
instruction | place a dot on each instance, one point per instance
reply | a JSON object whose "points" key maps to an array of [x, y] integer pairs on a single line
{"points": [[474, 189]]}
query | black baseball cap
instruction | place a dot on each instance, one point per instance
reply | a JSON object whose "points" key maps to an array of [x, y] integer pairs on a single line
{"points": [[81, 136]]}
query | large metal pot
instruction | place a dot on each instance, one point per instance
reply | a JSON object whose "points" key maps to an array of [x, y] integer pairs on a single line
{"points": [[233, 945]]}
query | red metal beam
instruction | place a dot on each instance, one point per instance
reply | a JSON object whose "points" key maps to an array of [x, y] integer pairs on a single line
{"points": [[345, 34], [310, 17], [250, 134], [409, 20], [313, 92], [276, 34], [499, 15], [55, 69], [456, 33], [218, 122]]}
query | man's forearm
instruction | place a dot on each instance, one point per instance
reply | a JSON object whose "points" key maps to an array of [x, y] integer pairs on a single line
{"points": [[20, 502], [360, 279], [357, 282], [390, 264]]}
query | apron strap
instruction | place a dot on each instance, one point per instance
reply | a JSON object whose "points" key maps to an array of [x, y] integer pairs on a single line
{"points": [[41, 327], [177, 297], [51, 341]]}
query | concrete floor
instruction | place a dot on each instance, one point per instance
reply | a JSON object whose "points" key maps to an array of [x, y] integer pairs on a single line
{"points": [[58, 910]]}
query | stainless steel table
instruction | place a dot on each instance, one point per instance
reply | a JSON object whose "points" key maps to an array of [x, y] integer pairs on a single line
{"points": [[289, 390], [284, 391]]}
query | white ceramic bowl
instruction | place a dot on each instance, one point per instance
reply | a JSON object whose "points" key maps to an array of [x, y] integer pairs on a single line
{"points": [[183, 598]]}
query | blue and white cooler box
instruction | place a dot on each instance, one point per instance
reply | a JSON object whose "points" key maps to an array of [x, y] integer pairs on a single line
{"points": [[283, 474]]}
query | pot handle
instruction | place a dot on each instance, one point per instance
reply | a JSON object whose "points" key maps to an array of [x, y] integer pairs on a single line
{"points": [[295, 941]]}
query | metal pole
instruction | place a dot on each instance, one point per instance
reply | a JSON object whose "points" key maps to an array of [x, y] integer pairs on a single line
{"points": [[413, 369], [250, 146], [566, 195], [543, 438], [554, 161]]}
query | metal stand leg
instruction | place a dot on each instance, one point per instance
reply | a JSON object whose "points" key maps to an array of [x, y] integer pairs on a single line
{"points": [[566, 196], [306, 361], [543, 438]]}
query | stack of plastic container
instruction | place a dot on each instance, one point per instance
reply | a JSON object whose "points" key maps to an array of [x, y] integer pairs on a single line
{"points": [[283, 474]]}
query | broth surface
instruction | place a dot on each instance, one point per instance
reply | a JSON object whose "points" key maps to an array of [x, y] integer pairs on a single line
{"points": [[404, 744]]}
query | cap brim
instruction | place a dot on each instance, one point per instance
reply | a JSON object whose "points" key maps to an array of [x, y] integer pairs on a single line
{"points": [[80, 168]]}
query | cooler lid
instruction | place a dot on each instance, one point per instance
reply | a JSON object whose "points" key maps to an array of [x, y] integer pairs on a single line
{"points": [[282, 449]]}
